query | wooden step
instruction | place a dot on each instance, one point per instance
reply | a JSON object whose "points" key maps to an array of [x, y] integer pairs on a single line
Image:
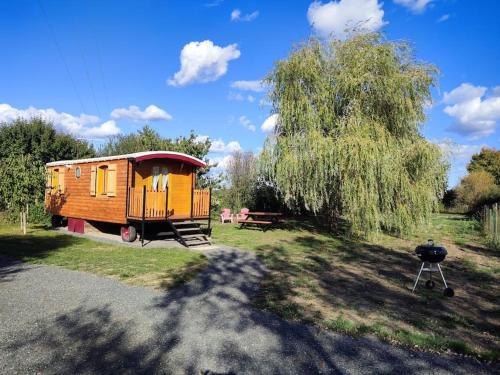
{"points": [[192, 236], [184, 223], [188, 229], [189, 233], [199, 243]]}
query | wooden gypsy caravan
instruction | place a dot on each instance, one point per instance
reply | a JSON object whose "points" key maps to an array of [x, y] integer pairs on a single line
{"points": [[152, 192]]}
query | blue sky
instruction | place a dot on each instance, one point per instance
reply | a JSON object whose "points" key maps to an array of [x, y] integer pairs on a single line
{"points": [[97, 68]]}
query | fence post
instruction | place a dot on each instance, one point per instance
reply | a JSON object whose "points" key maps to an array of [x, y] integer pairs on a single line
{"points": [[495, 221], [210, 211], [143, 214]]}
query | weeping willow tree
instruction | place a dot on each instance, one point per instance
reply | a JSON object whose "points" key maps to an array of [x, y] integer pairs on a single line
{"points": [[347, 143]]}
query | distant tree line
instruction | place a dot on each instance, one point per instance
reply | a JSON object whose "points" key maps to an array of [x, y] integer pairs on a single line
{"points": [[245, 187], [481, 186]]}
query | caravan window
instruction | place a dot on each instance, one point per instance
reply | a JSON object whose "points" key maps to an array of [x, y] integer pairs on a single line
{"points": [[102, 180], [164, 179], [55, 181], [156, 178]]}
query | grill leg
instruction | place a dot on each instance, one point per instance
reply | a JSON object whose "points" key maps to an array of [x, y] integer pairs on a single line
{"points": [[418, 277], [441, 272]]}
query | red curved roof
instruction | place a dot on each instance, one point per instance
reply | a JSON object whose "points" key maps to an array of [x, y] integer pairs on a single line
{"points": [[171, 155]]}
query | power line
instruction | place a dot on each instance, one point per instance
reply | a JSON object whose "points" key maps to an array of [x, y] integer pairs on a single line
{"points": [[90, 81], [99, 60], [53, 34], [79, 43]]}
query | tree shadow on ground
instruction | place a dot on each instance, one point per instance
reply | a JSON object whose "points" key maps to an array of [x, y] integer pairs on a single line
{"points": [[482, 250], [372, 284], [206, 324], [9, 268], [33, 246], [14, 248]]}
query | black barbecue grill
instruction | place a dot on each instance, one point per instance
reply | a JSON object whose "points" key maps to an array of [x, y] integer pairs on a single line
{"points": [[431, 256]]}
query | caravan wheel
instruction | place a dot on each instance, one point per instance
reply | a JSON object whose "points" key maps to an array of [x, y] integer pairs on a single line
{"points": [[129, 234]]}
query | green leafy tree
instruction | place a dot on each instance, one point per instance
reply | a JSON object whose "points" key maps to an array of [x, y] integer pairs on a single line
{"points": [[25, 147], [242, 181], [40, 139], [21, 177], [487, 160], [347, 143], [147, 139], [475, 188]]}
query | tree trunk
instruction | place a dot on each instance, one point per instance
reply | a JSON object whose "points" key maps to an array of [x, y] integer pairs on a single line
{"points": [[26, 218], [24, 222]]}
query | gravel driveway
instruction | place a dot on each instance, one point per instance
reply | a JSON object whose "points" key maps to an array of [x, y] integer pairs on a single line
{"points": [[58, 321]]}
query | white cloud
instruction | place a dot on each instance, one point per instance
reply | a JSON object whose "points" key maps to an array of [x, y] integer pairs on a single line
{"points": [[444, 17], [269, 124], [104, 130], [247, 123], [335, 17], [201, 138], [203, 62], [239, 97], [256, 86], [133, 112], [236, 96], [416, 6], [219, 146], [236, 15], [214, 3], [475, 115], [456, 151], [221, 162], [81, 126]]}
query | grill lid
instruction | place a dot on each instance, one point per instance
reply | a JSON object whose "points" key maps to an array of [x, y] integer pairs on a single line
{"points": [[430, 252]]}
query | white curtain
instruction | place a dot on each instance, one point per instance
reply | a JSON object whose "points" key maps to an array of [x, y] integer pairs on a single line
{"points": [[164, 179], [156, 178]]}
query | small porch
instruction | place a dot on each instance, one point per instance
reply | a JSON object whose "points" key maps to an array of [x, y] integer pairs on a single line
{"points": [[150, 205]]}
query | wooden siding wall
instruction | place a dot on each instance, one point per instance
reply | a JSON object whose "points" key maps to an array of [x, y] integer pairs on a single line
{"points": [[78, 203]]}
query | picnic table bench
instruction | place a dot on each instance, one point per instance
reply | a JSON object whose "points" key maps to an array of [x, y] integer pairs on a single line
{"points": [[263, 220]]}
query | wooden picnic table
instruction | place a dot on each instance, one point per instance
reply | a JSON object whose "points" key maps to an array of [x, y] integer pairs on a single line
{"points": [[263, 220]]}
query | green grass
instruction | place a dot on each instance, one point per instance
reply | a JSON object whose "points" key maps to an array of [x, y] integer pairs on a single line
{"points": [[160, 268], [364, 287]]}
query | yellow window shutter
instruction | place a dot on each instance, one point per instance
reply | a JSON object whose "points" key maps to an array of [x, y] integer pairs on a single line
{"points": [[61, 180], [111, 181], [93, 179], [54, 185]]}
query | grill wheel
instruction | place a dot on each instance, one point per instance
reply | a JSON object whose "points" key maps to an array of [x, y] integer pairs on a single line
{"points": [[448, 292]]}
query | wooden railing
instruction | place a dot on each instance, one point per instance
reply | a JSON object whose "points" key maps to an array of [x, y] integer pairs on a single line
{"points": [[150, 204], [201, 203]]}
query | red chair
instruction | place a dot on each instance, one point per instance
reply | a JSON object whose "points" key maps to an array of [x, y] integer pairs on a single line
{"points": [[243, 214], [226, 216]]}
